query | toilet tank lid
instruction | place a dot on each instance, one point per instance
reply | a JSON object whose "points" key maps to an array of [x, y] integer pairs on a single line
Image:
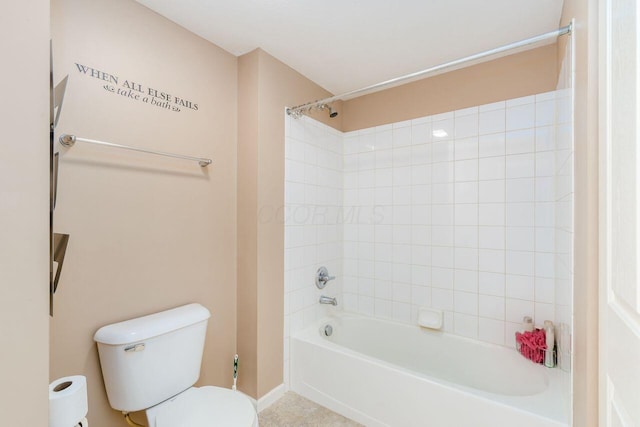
{"points": [[153, 325]]}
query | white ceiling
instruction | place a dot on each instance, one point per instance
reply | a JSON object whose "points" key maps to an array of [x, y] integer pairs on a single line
{"points": [[348, 44]]}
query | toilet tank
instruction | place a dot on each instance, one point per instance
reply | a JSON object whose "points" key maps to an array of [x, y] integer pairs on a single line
{"points": [[149, 359]]}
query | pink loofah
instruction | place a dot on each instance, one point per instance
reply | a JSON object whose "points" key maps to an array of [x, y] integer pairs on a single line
{"points": [[532, 344]]}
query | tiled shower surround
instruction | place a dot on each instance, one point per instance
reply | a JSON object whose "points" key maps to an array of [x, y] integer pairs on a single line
{"points": [[468, 212]]}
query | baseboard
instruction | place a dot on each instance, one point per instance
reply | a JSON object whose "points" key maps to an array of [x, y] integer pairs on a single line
{"points": [[268, 399]]}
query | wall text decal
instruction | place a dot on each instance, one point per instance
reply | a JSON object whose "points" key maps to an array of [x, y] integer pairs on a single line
{"points": [[136, 91]]}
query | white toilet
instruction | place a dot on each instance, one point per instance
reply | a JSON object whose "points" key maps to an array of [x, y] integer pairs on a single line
{"points": [[151, 363]]}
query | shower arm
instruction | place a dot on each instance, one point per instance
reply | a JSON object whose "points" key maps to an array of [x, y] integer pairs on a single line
{"points": [[299, 110]]}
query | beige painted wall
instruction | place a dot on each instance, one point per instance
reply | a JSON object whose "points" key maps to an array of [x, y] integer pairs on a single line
{"points": [[585, 299], [525, 73], [260, 196], [147, 233], [24, 207], [247, 292]]}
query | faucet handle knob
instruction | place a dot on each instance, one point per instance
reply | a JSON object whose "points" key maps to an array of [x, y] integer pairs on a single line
{"points": [[322, 277]]}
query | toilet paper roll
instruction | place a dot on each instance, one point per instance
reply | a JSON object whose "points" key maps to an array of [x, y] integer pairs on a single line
{"points": [[67, 401]]}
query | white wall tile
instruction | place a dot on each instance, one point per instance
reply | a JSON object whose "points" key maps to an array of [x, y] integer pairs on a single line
{"points": [[545, 265], [402, 176], [465, 112], [545, 190], [383, 139], [466, 325], [545, 138], [491, 260], [442, 278], [520, 166], [465, 302], [492, 168], [520, 190], [545, 163], [545, 112], [520, 263], [402, 195], [442, 257], [442, 214], [442, 235], [402, 156], [384, 159], [442, 193], [401, 254], [492, 121], [421, 154], [420, 133], [420, 275], [466, 236], [365, 305], [491, 191], [421, 194], [520, 141], [491, 214], [491, 330], [442, 151], [545, 239], [521, 116], [521, 101], [466, 280], [492, 145], [521, 287], [492, 307], [491, 283], [466, 214], [420, 174], [401, 292], [516, 309], [420, 254], [544, 290], [442, 129], [466, 192], [521, 238], [466, 259], [421, 296], [466, 148], [401, 312], [466, 170], [466, 126], [401, 136], [491, 237], [442, 299], [520, 214], [493, 106], [383, 309], [442, 172]]}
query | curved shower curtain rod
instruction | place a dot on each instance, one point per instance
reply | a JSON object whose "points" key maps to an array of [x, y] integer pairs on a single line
{"points": [[299, 110]]}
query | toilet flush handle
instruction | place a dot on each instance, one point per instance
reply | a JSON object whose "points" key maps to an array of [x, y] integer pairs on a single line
{"points": [[135, 347]]}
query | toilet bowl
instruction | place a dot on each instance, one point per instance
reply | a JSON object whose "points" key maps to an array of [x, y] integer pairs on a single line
{"points": [[151, 363], [204, 407]]}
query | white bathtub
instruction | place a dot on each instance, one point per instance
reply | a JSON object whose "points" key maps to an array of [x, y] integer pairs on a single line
{"points": [[383, 373]]}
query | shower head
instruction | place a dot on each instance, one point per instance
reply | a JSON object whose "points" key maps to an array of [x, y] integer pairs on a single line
{"points": [[332, 113]]}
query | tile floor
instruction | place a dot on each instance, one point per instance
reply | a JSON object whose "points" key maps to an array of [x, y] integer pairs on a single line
{"points": [[292, 410]]}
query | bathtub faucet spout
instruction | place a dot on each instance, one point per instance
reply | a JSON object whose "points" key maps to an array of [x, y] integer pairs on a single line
{"points": [[328, 300]]}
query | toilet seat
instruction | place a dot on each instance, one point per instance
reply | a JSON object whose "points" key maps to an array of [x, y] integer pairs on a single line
{"points": [[205, 407]]}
